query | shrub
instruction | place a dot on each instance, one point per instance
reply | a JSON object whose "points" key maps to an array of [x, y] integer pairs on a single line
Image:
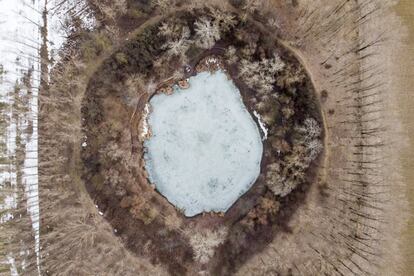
{"points": [[121, 58], [261, 214], [146, 214], [95, 45], [134, 13]]}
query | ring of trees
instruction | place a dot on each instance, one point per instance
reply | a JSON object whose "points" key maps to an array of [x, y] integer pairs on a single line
{"points": [[275, 88]]}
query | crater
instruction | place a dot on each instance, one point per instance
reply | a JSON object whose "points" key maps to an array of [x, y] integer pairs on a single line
{"points": [[198, 148], [205, 148]]}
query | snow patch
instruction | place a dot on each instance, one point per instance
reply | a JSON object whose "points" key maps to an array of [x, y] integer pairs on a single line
{"points": [[261, 124], [145, 127]]}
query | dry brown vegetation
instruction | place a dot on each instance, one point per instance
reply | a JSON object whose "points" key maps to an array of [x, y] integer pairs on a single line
{"points": [[338, 216], [114, 171]]}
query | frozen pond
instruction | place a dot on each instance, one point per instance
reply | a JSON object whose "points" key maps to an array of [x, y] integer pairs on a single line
{"points": [[205, 149]]}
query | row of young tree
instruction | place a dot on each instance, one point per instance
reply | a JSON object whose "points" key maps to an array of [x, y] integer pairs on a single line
{"points": [[19, 204], [17, 121]]}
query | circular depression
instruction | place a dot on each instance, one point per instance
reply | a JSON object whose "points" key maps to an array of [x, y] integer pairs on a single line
{"points": [[114, 169]]}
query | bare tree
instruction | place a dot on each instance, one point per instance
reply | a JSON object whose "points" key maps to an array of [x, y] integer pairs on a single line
{"points": [[205, 242], [314, 147], [252, 6], [260, 75], [231, 54], [178, 47], [207, 31], [311, 129], [224, 19], [163, 5]]}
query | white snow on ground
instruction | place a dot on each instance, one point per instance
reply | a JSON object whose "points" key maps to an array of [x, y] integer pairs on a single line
{"points": [[59, 12], [19, 48], [145, 128], [261, 124], [205, 149]]}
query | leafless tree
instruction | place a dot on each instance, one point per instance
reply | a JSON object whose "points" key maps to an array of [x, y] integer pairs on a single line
{"points": [[224, 19], [163, 5], [231, 55], [205, 241], [207, 31], [178, 47], [311, 129], [260, 75]]}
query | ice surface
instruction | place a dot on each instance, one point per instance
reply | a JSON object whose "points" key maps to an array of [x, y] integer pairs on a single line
{"points": [[205, 149]]}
